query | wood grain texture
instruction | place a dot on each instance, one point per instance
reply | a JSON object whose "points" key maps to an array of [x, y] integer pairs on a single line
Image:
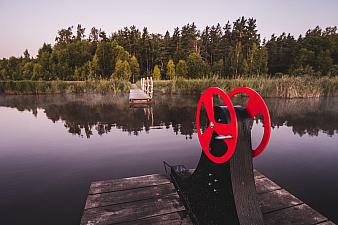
{"points": [[327, 223], [297, 215], [137, 94], [127, 183], [132, 211], [257, 174], [176, 218], [152, 199], [276, 200], [129, 195], [265, 185]]}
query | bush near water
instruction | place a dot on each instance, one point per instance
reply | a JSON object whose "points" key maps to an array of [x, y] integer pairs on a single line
{"points": [[64, 87]]}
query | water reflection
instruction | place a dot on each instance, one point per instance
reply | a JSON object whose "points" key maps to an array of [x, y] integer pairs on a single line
{"points": [[85, 115], [46, 168]]}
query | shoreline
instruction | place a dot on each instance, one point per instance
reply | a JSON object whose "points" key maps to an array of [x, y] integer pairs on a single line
{"points": [[284, 87]]}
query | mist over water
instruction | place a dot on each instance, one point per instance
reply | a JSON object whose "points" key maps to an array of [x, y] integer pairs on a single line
{"points": [[53, 147]]}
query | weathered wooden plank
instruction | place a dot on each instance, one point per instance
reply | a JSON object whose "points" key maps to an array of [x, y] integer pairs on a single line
{"points": [[258, 175], [152, 199], [265, 185], [141, 102], [327, 223], [132, 211], [137, 94], [276, 200], [296, 215], [127, 183], [118, 197], [176, 218]]}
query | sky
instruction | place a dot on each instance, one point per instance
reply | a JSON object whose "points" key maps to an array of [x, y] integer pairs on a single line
{"points": [[28, 24]]}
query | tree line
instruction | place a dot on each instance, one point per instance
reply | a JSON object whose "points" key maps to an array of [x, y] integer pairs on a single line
{"points": [[228, 51]]}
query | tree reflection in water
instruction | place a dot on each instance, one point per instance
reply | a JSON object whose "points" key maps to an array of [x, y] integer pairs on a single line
{"points": [[85, 115]]}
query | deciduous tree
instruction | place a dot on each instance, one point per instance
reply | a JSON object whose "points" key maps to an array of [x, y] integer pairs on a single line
{"points": [[156, 73], [171, 73], [182, 69]]}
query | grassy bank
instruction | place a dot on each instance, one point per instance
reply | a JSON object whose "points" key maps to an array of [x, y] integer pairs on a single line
{"points": [[289, 87], [62, 87]]}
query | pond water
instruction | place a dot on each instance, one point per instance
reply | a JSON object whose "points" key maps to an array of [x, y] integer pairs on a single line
{"points": [[53, 147]]}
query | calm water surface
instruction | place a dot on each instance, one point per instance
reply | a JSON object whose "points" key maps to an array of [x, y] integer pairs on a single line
{"points": [[53, 147]]}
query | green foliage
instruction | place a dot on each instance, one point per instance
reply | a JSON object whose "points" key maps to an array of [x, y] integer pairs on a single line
{"points": [[122, 70], [218, 67], [333, 70], [104, 59], [60, 87], [37, 72], [196, 66], [285, 86], [81, 73], [156, 73], [27, 70], [227, 51], [182, 69], [313, 54], [171, 74], [121, 53], [135, 68]]}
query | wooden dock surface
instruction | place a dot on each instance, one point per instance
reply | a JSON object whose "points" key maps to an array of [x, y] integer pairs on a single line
{"points": [[152, 199], [136, 95]]}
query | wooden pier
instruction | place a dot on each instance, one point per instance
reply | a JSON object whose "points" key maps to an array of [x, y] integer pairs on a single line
{"points": [[143, 95], [152, 199], [137, 96]]}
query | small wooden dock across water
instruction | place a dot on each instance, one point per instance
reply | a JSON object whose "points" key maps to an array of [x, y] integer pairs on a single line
{"points": [[143, 95], [152, 199], [138, 96]]}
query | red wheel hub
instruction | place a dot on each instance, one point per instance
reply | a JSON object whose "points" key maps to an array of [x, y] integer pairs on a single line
{"points": [[255, 106], [230, 130]]}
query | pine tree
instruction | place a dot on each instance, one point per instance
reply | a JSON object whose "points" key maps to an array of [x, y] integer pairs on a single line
{"points": [[196, 66], [104, 55]]}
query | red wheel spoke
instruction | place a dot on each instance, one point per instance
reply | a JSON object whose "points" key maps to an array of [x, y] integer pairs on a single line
{"points": [[223, 129]]}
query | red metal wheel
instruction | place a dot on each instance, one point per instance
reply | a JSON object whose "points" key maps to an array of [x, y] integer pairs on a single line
{"points": [[230, 130], [255, 106]]}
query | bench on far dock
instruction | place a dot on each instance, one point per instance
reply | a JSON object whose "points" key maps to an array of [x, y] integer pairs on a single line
{"points": [[152, 199]]}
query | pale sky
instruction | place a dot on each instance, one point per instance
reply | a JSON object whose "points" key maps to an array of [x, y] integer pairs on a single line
{"points": [[27, 24]]}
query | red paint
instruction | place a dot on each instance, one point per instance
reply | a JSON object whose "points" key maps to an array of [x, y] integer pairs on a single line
{"points": [[255, 106], [221, 129]]}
